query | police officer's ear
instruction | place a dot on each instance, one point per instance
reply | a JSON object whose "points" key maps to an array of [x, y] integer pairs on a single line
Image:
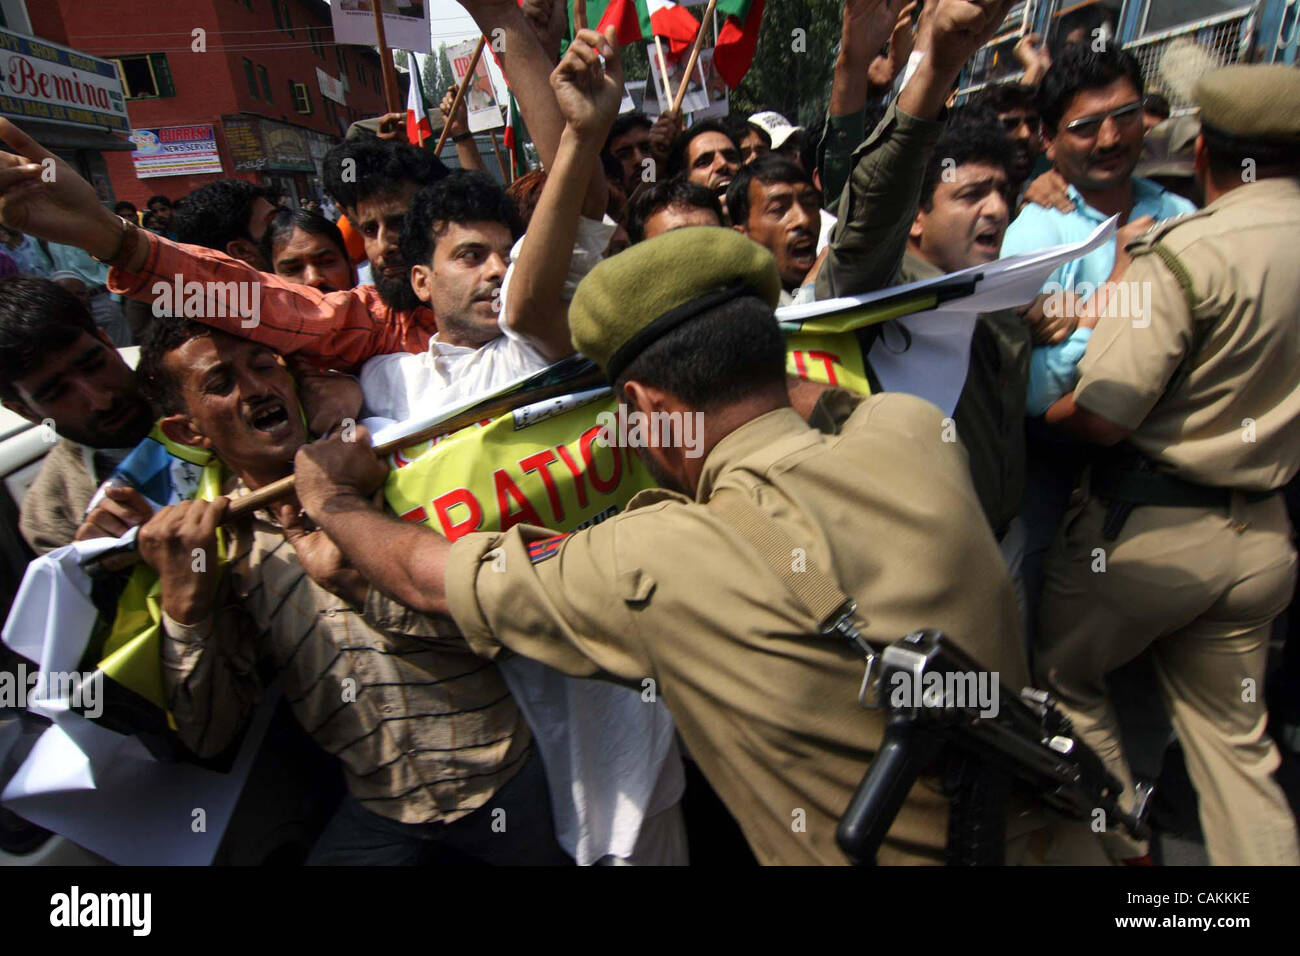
{"points": [[1200, 160], [646, 398]]}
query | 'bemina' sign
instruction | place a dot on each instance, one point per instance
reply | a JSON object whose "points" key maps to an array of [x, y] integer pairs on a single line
{"points": [[51, 82]]}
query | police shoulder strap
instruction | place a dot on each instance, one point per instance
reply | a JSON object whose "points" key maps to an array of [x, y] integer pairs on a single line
{"points": [[1200, 330], [834, 611]]}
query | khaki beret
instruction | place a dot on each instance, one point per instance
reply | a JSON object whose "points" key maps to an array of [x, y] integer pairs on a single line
{"points": [[635, 297], [1258, 102]]}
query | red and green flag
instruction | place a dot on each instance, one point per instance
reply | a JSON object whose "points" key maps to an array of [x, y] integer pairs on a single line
{"points": [[738, 38], [644, 20]]}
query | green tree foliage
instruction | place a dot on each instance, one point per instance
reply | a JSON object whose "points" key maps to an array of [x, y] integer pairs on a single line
{"points": [[636, 64], [437, 75], [792, 71]]}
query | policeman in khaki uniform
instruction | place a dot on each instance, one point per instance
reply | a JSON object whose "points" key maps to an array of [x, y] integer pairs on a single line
{"points": [[670, 591], [1182, 543]]}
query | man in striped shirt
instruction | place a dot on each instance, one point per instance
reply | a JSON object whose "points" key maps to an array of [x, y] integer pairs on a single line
{"points": [[435, 752]]}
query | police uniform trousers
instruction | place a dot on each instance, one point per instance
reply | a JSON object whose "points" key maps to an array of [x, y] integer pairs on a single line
{"points": [[1200, 586]]}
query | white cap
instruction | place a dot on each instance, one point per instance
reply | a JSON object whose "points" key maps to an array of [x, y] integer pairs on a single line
{"points": [[777, 127]]}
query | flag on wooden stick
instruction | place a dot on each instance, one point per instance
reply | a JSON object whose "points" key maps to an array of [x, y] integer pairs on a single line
{"points": [[644, 19], [418, 127], [738, 39]]}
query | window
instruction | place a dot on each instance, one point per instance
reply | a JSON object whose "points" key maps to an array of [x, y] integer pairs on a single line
{"points": [[331, 117], [1167, 14], [361, 72], [251, 77], [146, 76], [275, 11], [314, 33], [343, 63], [288, 20], [266, 84], [301, 97]]}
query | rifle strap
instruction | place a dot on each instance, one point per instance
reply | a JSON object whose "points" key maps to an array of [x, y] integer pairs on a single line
{"points": [[816, 590]]}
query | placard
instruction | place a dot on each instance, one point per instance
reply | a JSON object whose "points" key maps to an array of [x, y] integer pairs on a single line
{"points": [[481, 97], [406, 24]]}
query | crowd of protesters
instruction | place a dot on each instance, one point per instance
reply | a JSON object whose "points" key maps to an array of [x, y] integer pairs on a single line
{"points": [[435, 287]]}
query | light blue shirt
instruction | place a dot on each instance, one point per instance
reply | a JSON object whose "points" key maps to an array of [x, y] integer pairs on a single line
{"points": [[30, 258], [1053, 371], [73, 259], [1038, 228]]}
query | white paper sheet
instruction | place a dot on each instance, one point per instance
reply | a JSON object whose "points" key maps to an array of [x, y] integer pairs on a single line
{"points": [[934, 364], [101, 789]]}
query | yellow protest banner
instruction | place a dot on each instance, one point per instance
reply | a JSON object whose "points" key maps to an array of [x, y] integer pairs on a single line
{"points": [[828, 359], [545, 465]]}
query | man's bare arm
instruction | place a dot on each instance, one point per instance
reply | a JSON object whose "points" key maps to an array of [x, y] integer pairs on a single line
{"points": [[527, 69], [44, 196], [589, 96], [466, 149]]}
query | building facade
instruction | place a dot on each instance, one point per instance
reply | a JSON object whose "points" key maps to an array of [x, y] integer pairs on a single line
{"points": [[217, 89]]}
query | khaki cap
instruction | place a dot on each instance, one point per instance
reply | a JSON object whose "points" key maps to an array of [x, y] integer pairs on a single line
{"points": [[1170, 148], [635, 297], [1257, 102]]}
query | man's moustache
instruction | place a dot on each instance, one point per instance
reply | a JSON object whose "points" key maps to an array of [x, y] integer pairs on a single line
{"points": [[1109, 154]]}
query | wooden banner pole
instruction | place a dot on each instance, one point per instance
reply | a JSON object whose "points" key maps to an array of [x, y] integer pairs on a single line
{"points": [[496, 148], [460, 94], [695, 55], [387, 69]]}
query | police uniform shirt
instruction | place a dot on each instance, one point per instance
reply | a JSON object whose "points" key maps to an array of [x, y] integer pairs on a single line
{"points": [[668, 599], [1232, 422]]}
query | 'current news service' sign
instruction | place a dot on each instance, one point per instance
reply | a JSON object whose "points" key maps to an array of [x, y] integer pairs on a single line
{"points": [[175, 151]]}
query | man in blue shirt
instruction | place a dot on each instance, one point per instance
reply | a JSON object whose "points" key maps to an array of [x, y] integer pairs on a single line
{"points": [[1091, 108]]}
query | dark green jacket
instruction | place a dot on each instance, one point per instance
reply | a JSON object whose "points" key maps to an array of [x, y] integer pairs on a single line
{"points": [[990, 414]]}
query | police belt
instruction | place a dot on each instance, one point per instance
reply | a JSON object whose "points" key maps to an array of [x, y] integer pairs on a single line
{"points": [[1127, 479]]}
